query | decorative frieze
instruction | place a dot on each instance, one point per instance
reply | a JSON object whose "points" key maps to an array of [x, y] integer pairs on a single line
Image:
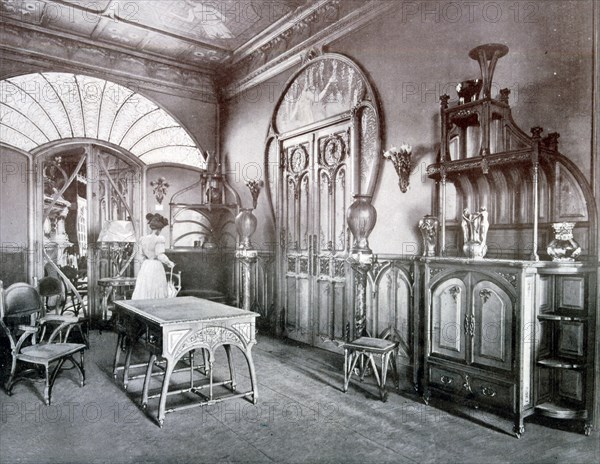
{"points": [[38, 48], [283, 49]]}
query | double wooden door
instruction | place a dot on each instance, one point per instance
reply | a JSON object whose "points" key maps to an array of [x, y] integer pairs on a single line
{"points": [[316, 192], [473, 327]]}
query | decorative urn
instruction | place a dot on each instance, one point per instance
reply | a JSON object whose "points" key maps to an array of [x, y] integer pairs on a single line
{"points": [[361, 217], [245, 223], [563, 247]]}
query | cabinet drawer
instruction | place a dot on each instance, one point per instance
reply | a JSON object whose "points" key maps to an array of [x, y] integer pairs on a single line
{"points": [[446, 380], [494, 393]]}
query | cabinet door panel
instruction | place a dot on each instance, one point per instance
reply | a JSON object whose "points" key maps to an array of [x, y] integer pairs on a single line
{"points": [[448, 309], [571, 339], [570, 385], [571, 292], [544, 294], [492, 326]]}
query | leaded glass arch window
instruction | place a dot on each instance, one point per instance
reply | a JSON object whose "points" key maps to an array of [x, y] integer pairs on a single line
{"points": [[39, 108]]}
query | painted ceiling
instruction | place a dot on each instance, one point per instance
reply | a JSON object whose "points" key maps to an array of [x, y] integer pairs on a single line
{"points": [[189, 31]]}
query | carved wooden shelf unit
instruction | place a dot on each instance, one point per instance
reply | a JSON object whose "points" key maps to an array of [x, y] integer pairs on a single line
{"points": [[212, 218], [522, 180], [517, 335], [565, 342]]}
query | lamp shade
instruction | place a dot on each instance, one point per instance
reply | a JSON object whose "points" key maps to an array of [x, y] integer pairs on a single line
{"points": [[117, 231]]}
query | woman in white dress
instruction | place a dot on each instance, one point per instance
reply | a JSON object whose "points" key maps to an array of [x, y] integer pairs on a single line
{"points": [[151, 280]]}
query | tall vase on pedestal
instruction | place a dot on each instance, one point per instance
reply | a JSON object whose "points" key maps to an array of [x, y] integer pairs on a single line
{"points": [[361, 217], [245, 223]]}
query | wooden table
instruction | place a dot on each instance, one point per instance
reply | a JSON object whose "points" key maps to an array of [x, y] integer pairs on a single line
{"points": [[171, 328]]}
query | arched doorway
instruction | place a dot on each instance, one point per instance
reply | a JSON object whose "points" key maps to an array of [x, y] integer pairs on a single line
{"points": [[323, 147], [89, 141], [80, 186]]}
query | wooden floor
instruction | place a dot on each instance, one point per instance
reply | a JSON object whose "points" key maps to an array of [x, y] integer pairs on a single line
{"points": [[302, 417]]}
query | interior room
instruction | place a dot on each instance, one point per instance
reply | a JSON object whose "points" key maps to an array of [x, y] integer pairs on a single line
{"points": [[299, 231]]}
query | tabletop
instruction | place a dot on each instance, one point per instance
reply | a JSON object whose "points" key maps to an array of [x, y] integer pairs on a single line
{"points": [[183, 309]]}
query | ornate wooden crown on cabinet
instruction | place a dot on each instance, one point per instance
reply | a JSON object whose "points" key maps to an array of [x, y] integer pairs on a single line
{"points": [[523, 180]]}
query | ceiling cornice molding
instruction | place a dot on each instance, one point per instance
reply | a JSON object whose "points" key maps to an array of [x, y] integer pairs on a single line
{"points": [[75, 39], [41, 49], [279, 62], [277, 29]]}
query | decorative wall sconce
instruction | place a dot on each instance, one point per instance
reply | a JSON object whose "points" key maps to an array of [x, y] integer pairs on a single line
{"points": [[159, 189], [401, 159], [254, 186]]}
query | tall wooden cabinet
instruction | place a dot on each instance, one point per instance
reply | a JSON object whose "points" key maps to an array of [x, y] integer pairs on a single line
{"points": [[513, 331]]}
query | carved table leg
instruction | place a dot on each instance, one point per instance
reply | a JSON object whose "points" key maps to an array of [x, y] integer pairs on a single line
{"points": [[231, 366], [126, 366], [170, 364], [346, 361], [147, 380], [192, 368], [252, 375], [117, 354]]}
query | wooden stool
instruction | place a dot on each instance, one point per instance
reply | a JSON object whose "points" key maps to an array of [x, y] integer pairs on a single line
{"points": [[367, 347]]}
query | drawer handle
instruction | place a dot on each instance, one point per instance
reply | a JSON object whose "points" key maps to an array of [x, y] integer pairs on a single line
{"points": [[487, 391], [446, 380]]}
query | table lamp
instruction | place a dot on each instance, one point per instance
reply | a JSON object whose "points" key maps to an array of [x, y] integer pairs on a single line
{"points": [[117, 234]]}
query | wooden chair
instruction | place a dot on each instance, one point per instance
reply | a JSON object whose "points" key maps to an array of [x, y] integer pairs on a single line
{"points": [[79, 282], [53, 292], [362, 351], [22, 319]]}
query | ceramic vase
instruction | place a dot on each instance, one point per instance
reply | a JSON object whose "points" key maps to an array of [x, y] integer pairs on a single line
{"points": [[361, 217], [245, 223], [563, 247]]}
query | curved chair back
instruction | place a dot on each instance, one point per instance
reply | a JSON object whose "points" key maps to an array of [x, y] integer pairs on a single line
{"points": [[54, 291], [21, 299]]}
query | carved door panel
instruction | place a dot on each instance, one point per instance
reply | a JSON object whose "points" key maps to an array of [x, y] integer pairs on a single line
{"points": [[491, 326], [332, 198], [449, 319], [315, 199], [297, 228]]}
